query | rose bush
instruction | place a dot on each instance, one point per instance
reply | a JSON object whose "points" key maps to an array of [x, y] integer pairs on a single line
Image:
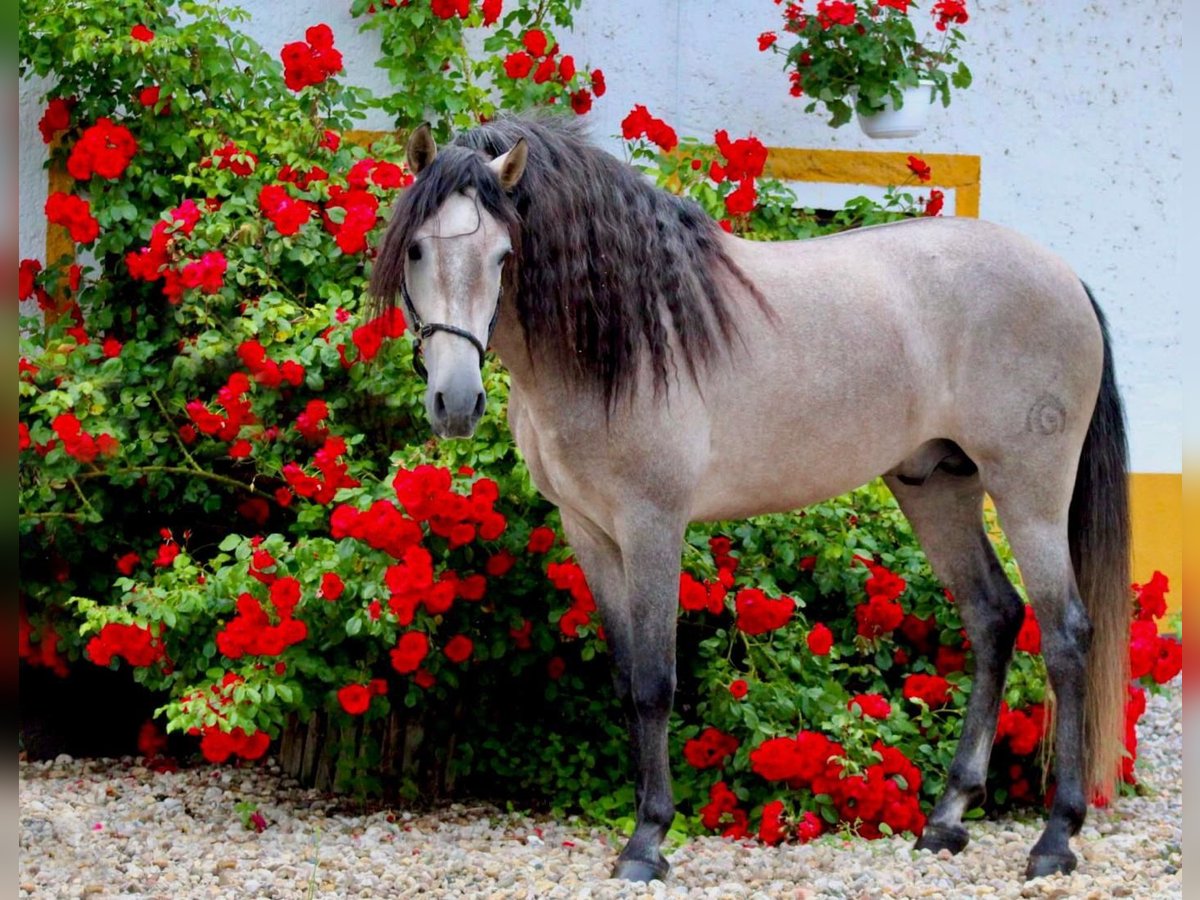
{"points": [[228, 489]]}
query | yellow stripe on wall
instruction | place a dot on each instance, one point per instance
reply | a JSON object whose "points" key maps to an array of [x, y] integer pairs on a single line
{"points": [[952, 171], [1156, 514]]}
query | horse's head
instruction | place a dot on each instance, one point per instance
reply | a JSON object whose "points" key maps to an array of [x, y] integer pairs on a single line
{"points": [[444, 255]]}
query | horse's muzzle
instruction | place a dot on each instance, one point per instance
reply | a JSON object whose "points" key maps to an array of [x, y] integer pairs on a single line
{"points": [[455, 413]]}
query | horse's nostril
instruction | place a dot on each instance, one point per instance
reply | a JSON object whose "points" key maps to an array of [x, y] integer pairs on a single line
{"points": [[480, 404], [439, 403]]}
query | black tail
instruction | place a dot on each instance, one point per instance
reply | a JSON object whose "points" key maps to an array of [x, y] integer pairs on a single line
{"points": [[1099, 538]]}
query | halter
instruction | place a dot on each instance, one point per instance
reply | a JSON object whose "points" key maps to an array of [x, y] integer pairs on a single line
{"points": [[426, 329]]}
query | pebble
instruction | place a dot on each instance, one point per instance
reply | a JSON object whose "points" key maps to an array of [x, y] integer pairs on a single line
{"points": [[172, 836]]}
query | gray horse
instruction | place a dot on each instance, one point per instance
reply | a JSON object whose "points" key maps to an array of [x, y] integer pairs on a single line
{"points": [[664, 372]]}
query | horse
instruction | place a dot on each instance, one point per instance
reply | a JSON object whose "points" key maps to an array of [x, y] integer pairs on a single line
{"points": [[664, 372]]}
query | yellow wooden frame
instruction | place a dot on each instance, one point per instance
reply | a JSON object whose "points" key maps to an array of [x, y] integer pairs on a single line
{"points": [[953, 171]]}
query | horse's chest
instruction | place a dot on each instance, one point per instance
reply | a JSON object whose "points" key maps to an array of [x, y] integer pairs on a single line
{"points": [[540, 445]]}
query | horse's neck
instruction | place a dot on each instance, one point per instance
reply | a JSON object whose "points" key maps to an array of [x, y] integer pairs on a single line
{"points": [[508, 340], [538, 386]]}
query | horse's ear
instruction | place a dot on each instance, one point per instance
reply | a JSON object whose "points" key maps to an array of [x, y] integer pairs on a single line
{"points": [[510, 166], [421, 149]]}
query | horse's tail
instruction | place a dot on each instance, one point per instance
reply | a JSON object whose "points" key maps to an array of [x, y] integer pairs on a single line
{"points": [[1099, 539]]}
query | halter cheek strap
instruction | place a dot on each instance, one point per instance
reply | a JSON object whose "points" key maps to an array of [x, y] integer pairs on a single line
{"points": [[425, 330]]}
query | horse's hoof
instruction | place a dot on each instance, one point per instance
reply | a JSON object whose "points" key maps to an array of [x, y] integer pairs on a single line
{"points": [[1050, 864], [641, 871], [943, 837]]}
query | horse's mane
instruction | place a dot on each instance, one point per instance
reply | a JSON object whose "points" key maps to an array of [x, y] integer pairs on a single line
{"points": [[606, 264]]}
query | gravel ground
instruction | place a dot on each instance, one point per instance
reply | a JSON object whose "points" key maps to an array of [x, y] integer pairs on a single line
{"points": [[111, 828]]}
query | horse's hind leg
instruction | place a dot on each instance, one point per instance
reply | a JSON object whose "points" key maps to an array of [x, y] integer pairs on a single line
{"points": [[1036, 528], [946, 512]]}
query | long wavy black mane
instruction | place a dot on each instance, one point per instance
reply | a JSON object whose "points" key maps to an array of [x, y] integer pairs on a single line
{"points": [[606, 266]]}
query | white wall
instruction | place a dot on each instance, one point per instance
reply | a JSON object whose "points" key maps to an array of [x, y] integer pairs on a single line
{"points": [[1074, 112]]}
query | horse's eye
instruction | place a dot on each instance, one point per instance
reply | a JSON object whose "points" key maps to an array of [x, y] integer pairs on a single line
{"points": [[414, 252]]}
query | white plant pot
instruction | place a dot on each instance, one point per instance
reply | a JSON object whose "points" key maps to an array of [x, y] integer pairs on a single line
{"points": [[907, 121]]}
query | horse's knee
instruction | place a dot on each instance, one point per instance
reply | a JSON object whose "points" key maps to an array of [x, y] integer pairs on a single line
{"points": [[653, 690]]}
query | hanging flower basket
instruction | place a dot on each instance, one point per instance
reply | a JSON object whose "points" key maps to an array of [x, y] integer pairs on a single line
{"points": [[904, 121]]}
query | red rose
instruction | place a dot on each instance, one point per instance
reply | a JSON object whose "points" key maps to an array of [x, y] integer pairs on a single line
{"points": [[1022, 728], [871, 705], [541, 539], [534, 41], [56, 118], [742, 200], [950, 659], [932, 689], [739, 689], [1169, 661], [820, 640], [878, 616], [27, 273], [933, 206], [1143, 647], [581, 102], [758, 614], [556, 667], [745, 157], [766, 40], [545, 70], [709, 749], [500, 563], [166, 554], [354, 698], [448, 9], [141, 33], [459, 648], [836, 12], [795, 760], [73, 213], [809, 827], [312, 61], [598, 85], [148, 96], [331, 586], [518, 64], [409, 651], [773, 829], [949, 12], [920, 168], [491, 11], [1151, 599], [721, 802], [127, 563], [1029, 638]]}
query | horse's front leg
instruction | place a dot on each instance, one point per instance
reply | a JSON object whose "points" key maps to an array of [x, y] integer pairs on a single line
{"points": [[635, 578]]}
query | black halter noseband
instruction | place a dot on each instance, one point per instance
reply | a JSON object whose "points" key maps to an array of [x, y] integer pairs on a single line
{"points": [[426, 329]]}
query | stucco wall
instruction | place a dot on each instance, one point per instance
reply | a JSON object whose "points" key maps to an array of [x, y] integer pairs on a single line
{"points": [[1074, 112]]}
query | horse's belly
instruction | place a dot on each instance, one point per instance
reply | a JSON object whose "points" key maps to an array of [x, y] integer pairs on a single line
{"points": [[720, 498], [789, 469]]}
